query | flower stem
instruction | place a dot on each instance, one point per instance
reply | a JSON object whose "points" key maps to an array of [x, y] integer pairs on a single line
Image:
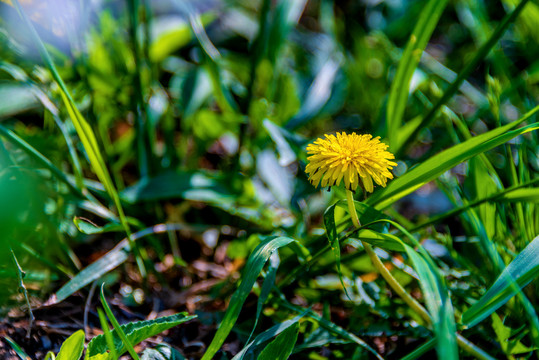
{"points": [[399, 290], [393, 283]]}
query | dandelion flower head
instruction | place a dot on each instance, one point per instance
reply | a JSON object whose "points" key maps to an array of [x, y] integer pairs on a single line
{"points": [[349, 157]]}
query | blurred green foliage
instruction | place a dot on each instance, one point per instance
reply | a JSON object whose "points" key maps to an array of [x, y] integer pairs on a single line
{"points": [[201, 112]]}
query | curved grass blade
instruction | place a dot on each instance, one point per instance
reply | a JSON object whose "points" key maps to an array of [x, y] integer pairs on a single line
{"points": [[518, 192], [268, 334], [107, 334], [267, 286], [399, 92], [119, 331], [328, 325], [520, 272], [445, 160], [470, 66], [254, 265], [83, 129], [282, 346]]}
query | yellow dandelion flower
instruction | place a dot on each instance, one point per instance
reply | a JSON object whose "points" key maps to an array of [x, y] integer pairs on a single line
{"points": [[350, 157]]}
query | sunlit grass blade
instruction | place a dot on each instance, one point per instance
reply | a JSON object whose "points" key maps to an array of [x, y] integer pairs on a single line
{"points": [[107, 334], [254, 265], [398, 95], [480, 54], [82, 127], [126, 343], [521, 271], [447, 159]]}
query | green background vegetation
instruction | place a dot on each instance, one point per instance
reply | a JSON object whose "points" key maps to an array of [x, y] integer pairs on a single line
{"points": [[159, 148]]}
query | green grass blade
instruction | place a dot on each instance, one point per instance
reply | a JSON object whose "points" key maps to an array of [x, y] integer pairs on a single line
{"points": [[267, 286], [126, 342], [470, 66], [82, 127], [420, 351], [399, 92], [282, 346], [268, 334], [37, 156], [445, 160], [18, 350], [515, 193], [329, 326], [521, 271], [107, 334], [254, 265]]}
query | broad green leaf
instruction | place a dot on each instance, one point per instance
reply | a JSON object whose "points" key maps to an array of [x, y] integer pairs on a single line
{"points": [[72, 347], [282, 346], [520, 272], [135, 332], [398, 95], [504, 333], [254, 265], [447, 159]]}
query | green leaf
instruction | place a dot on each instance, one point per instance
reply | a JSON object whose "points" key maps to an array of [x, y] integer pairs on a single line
{"points": [[268, 334], [385, 241], [447, 159], [399, 92], [254, 265], [529, 195], [135, 332], [438, 303], [282, 346], [85, 226], [72, 347], [471, 65], [520, 272], [83, 128], [504, 333]]}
